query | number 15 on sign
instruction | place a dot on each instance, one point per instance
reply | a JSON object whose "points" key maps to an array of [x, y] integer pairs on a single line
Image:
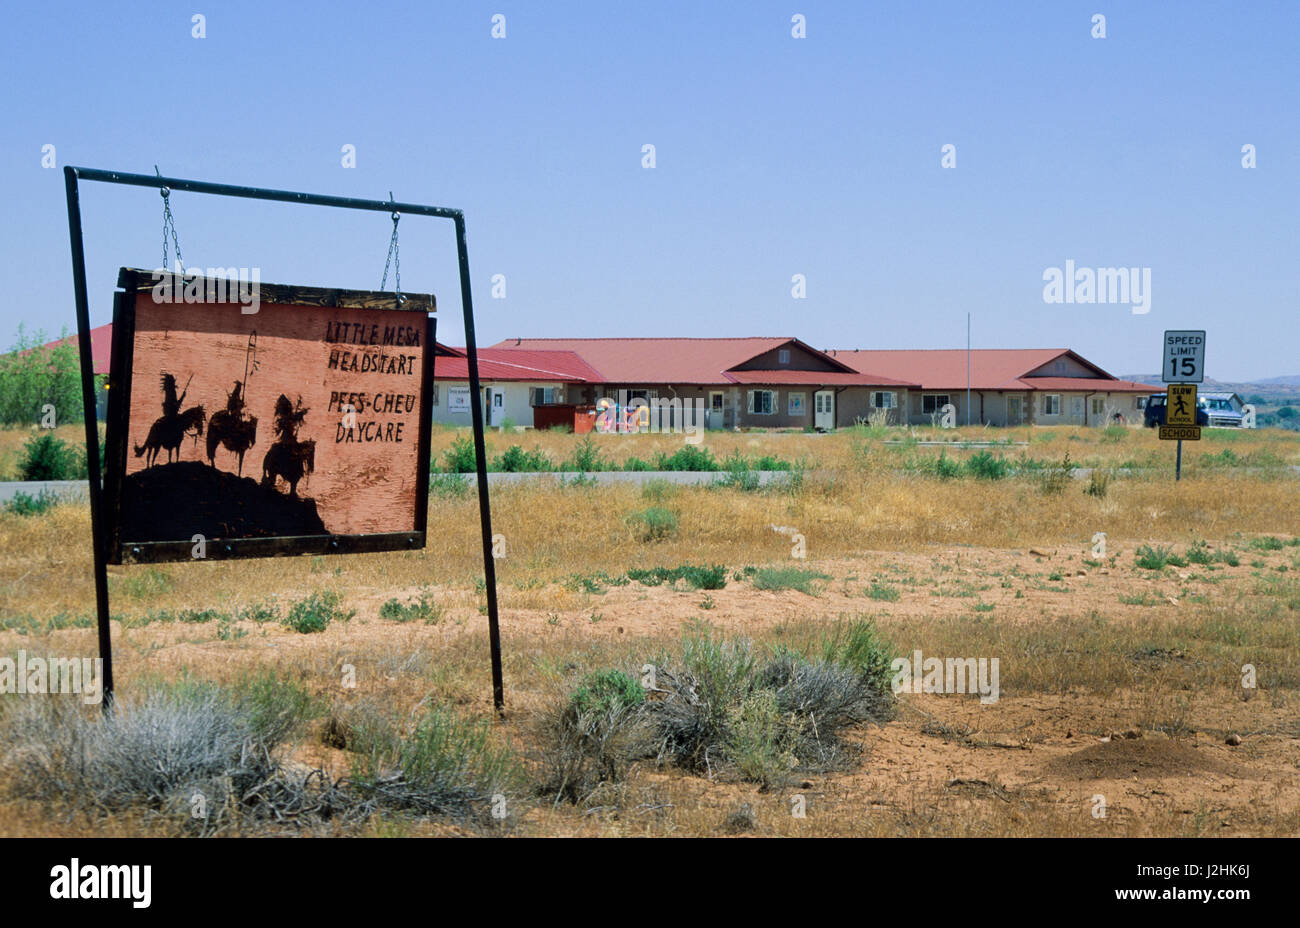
{"points": [[1184, 356]]}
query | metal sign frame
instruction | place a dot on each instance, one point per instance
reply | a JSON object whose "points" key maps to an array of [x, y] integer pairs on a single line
{"points": [[72, 176]]}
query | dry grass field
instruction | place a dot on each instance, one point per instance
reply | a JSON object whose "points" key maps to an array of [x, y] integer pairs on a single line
{"points": [[1121, 672]]}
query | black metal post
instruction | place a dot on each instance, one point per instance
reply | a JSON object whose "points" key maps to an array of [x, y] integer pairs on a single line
{"points": [[1178, 462], [71, 175], [90, 415], [480, 469]]}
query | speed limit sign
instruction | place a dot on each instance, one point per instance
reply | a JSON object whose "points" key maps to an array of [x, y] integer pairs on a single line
{"points": [[1184, 356]]}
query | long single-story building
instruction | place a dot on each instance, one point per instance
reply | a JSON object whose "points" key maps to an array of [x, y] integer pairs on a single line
{"points": [[1008, 386], [740, 382]]}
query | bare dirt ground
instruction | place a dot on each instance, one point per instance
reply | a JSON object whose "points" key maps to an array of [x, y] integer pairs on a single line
{"points": [[1086, 739]]}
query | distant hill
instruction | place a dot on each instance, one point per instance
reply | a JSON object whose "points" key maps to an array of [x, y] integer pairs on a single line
{"points": [[1276, 391]]}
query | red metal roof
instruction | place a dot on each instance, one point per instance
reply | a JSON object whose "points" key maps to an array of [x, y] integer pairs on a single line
{"points": [[990, 368], [101, 343], [687, 360], [1085, 385], [515, 364], [815, 379]]}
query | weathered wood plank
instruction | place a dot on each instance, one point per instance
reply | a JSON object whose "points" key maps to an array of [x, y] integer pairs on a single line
{"points": [[137, 280]]}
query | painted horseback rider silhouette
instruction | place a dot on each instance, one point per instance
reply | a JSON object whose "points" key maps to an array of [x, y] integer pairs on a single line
{"points": [[173, 425], [288, 457]]}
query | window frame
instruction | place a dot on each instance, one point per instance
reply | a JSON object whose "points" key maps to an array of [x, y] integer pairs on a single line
{"points": [[773, 403], [937, 407]]}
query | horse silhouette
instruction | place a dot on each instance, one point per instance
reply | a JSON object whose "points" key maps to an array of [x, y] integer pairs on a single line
{"points": [[234, 432], [168, 432], [290, 461]]}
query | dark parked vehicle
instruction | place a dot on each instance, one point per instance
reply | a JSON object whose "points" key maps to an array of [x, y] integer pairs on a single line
{"points": [[1155, 411]]}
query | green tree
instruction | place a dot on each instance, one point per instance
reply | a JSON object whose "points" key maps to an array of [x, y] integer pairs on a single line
{"points": [[33, 374]]}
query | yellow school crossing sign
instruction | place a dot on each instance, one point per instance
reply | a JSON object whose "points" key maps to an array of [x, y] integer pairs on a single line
{"points": [[1180, 404]]}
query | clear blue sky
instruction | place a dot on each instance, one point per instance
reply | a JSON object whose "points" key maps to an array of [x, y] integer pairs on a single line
{"points": [[775, 156]]}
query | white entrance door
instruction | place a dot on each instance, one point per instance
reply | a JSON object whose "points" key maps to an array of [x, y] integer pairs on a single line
{"points": [[495, 399], [1015, 411], [824, 409], [1076, 408], [716, 409]]}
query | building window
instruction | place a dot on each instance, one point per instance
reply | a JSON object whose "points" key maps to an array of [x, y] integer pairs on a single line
{"points": [[433, 395], [762, 402], [1099, 405], [932, 403], [883, 400], [797, 403], [783, 356], [545, 396], [1139, 402], [1052, 404]]}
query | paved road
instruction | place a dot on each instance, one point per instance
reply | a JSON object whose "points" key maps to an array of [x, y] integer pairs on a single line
{"points": [[76, 489]]}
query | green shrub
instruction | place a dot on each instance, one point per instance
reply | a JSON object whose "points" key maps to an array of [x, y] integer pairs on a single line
{"points": [[698, 578], [606, 690], [633, 463], [882, 592], [315, 613], [686, 458], [444, 765], [984, 465], [1267, 543], [739, 475], [516, 460], [944, 467], [1053, 479], [586, 457], [25, 504], [654, 524], [1157, 557], [789, 578], [449, 485], [423, 608], [45, 457], [259, 612], [460, 457]]}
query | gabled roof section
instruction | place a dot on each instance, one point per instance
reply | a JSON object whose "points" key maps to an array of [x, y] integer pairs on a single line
{"points": [[990, 368]]}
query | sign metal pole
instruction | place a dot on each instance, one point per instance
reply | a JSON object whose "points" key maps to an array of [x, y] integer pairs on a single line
{"points": [[90, 415]]}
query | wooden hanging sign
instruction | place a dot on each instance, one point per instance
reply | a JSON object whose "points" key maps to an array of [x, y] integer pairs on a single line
{"points": [[248, 419]]}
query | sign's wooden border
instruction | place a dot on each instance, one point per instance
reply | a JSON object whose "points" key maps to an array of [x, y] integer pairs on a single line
{"points": [[133, 281]]}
